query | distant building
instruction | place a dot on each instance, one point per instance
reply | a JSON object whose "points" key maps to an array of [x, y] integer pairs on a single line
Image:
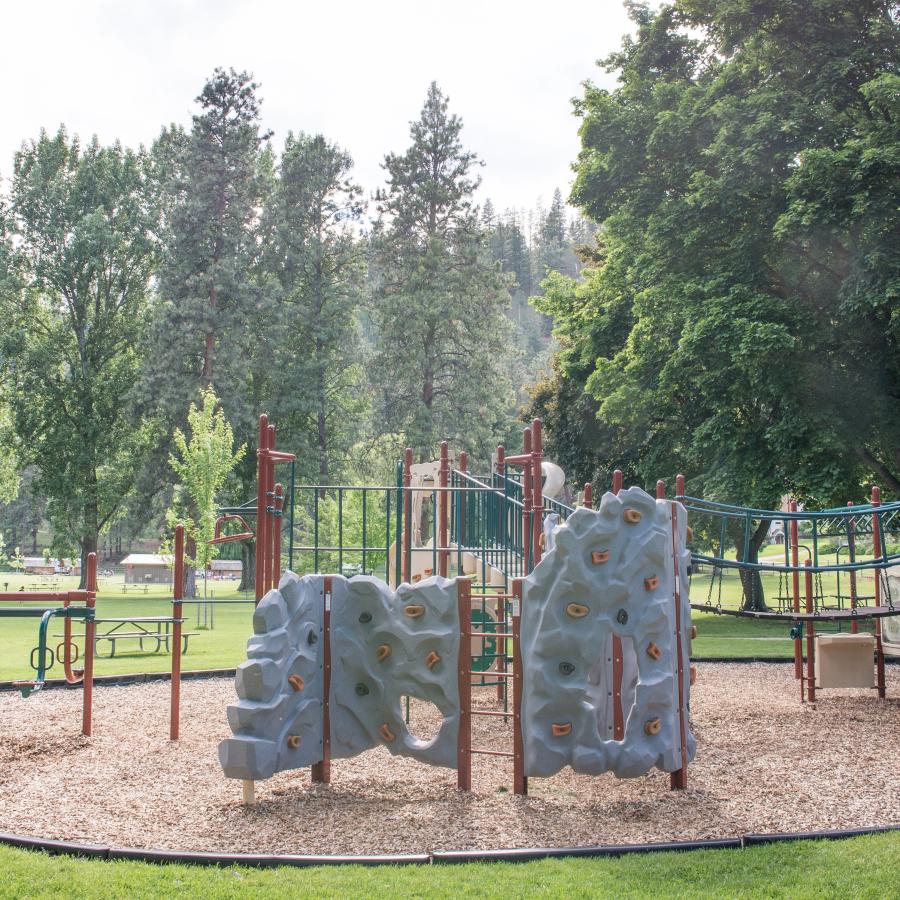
{"points": [[147, 568], [37, 565], [226, 568]]}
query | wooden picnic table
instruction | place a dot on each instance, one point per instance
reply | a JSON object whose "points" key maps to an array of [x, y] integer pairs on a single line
{"points": [[140, 632]]}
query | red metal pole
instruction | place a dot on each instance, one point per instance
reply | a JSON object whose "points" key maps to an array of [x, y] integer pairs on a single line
{"points": [[537, 499], [876, 552], [617, 667], [261, 545], [795, 562], [87, 703], [679, 487], [464, 679], [661, 491], [851, 546], [177, 615], [588, 496], [443, 530], [527, 484], [520, 781], [321, 771], [406, 563], [678, 778], [810, 638]]}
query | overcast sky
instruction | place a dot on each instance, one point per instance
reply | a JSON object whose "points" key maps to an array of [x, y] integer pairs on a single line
{"points": [[355, 71]]}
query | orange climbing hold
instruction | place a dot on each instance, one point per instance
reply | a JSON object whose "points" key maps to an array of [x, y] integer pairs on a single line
{"points": [[631, 516], [598, 557], [413, 611], [654, 726], [296, 682], [577, 610], [293, 741], [653, 651], [386, 733], [384, 651], [651, 584], [432, 659], [693, 631], [561, 730], [693, 674]]}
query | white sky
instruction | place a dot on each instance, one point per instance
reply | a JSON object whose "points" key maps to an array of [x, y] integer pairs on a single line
{"points": [[356, 71]]}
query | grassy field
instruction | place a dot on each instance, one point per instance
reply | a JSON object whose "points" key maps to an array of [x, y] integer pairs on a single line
{"points": [[860, 867], [223, 645]]}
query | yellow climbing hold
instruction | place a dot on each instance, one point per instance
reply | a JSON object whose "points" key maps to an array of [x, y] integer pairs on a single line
{"points": [[577, 610], [631, 516], [653, 726], [413, 611], [293, 741]]}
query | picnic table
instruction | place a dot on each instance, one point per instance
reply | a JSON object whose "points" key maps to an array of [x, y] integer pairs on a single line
{"points": [[135, 586], [139, 631]]}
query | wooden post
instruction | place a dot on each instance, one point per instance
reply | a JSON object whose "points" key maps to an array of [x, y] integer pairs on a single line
{"points": [[876, 552], [520, 781], [90, 628], [464, 679], [443, 515], [321, 771], [177, 615]]}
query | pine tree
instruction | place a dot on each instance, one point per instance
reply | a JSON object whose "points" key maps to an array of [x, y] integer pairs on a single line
{"points": [[439, 299], [318, 263]]}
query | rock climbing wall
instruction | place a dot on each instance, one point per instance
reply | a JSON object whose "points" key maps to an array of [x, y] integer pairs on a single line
{"points": [[384, 645], [277, 720], [611, 572]]}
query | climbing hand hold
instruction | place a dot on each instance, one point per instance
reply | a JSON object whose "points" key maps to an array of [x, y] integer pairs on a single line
{"points": [[577, 610], [693, 674], [651, 584], [416, 578], [566, 668], [693, 631], [598, 557], [689, 535], [312, 638], [386, 733], [293, 741], [561, 730], [653, 651], [296, 682], [413, 611], [631, 516], [361, 690], [365, 618], [432, 659], [622, 616], [384, 651], [653, 726]]}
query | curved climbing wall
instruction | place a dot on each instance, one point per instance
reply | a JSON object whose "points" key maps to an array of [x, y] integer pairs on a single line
{"points": [[385, 645], [611, 573]]}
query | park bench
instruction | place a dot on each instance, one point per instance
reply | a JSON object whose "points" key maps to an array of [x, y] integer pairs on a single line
{"points": [[135, 586], [141, 633]]}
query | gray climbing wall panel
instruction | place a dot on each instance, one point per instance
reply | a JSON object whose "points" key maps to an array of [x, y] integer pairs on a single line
{"points": [[612, 571], [384, 646], [277, 720]]}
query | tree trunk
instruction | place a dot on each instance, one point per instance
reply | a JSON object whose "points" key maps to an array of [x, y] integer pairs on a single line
{"points": [[751, 579], [248, 567], [34, 533], [90, 532]]}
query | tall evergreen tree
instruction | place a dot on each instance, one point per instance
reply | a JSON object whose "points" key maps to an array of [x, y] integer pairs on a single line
{"points": [[318, 263], [83, 223], [439, 299]]}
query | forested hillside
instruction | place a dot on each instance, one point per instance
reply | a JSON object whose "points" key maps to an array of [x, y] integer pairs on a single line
{"points": [[362, 318]]}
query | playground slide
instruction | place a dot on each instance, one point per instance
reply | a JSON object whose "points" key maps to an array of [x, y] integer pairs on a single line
{"points": [[890, 626]]}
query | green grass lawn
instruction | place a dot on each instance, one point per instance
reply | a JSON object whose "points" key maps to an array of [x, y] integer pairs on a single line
{"points": [[860, 867]]}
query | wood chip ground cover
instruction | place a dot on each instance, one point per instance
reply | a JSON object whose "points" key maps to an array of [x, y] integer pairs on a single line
{"points": [[764, 764]]}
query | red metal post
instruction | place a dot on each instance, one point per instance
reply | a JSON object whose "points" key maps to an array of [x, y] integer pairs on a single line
{"points": [[537, 499], [406, 550], [443, 515], [520, 781], [321, 771], [876, 552], [87, 700], [588, 496], [679, 487], [177, 614], [261, 545], [617, 667], [464, 680], [661, 491], [795, 562], [678, 778], [810, 638]]}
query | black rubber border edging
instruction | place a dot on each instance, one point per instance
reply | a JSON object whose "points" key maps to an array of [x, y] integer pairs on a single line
{"points": [[134, 678], [262, 860]]}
